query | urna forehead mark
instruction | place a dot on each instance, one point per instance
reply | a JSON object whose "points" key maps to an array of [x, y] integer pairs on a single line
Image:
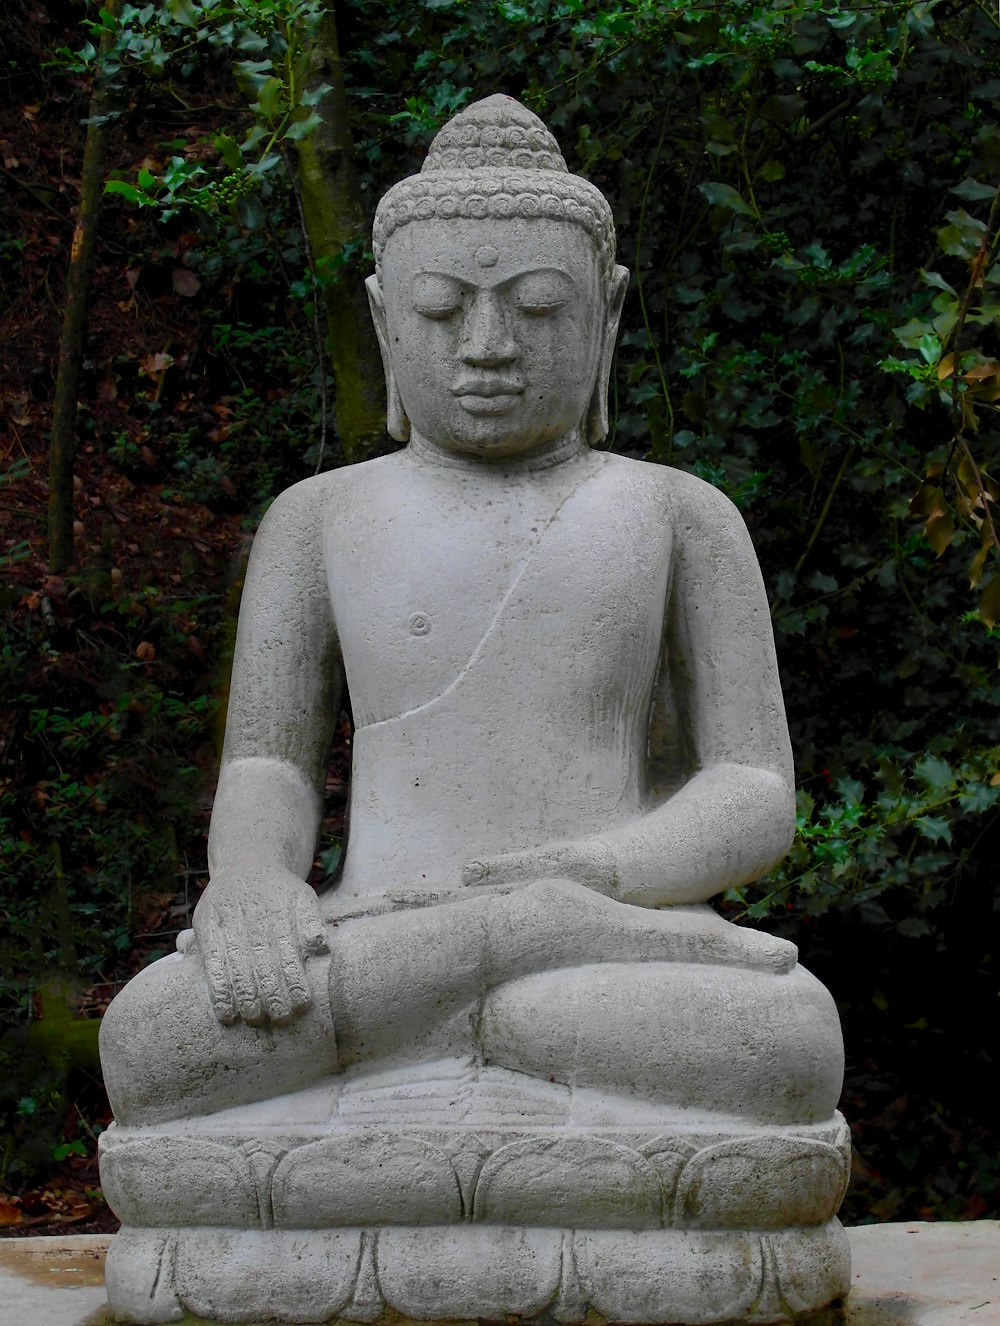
{"points": [[487, 255]]}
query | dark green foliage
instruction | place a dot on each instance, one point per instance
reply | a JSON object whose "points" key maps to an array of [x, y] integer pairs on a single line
{"points": [[267, 44], [112, 679], [106, 756]]}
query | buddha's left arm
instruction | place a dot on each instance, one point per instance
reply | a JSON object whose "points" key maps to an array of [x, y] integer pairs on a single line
{"points": [[733, 816]]}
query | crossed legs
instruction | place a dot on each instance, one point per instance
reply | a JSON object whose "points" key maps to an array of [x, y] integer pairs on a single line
{"points": [[389, 979]]}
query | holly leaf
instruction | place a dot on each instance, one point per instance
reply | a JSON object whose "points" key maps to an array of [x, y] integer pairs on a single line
{"points": [[974, 192], [929, 346], [935, 773], [919, 18], [724, 195], [913, 927], [978, 565], [911, 332], [252, 74], [928, 501], [184, 13], [229, 150], [938, 282], [935, 828], [302, 128], [251, 212], [127, 191], [269, 97], [940, 530], [315, 94], [963, 236]]}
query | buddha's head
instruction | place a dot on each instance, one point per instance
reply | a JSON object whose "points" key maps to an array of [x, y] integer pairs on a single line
{"points": [[496, 297]]}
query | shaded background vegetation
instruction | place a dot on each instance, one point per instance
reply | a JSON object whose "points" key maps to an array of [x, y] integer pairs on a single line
{"points": [[803, 192]]}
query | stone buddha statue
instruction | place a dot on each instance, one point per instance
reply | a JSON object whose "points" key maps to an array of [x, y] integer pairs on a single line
{"points": [[511, 1062]]}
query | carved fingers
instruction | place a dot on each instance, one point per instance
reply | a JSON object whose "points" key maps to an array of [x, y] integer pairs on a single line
{"points": [[702, 936], [310, 927], [253, 937], [767, 951], [589, 862]]}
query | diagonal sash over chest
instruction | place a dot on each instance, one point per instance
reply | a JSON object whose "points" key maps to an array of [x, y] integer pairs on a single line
{"points": [[536, 576], [569, 657]]}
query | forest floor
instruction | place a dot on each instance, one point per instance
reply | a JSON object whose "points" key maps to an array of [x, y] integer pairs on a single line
{"points": [[155, 569], [139, 329]]}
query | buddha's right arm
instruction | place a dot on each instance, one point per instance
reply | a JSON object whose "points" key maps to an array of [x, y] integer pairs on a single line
{"points": [[258, 919]]}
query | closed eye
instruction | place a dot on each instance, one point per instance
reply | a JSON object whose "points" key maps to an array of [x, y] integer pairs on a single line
{"points": [[540, 293], [438, 312], [436, 295], [536, 309]]}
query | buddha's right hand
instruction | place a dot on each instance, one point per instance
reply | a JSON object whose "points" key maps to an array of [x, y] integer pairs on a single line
{"points": [[254, 929]]}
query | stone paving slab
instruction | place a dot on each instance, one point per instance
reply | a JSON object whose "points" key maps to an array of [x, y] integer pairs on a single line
{"points": [[52, 1281], [925, 1274], [919, 1274]]}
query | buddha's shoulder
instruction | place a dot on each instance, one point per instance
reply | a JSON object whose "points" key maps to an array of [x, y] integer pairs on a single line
{"points": [[315, 497], [688, 502]]}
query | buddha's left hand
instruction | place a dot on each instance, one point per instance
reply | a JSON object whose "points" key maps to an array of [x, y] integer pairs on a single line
{"points": [[589, 862]]}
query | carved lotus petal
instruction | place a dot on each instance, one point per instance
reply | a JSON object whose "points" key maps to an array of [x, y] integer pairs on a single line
{"points": [[767, 1182], [139, 1275], [571, 1182], [174, 1181], [279, 1275], [367, 1178], [468, 1273], [653, 1275], [809, 1265]]}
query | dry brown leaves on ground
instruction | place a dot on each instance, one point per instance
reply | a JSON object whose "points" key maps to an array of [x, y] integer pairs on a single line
{"points": [[46, 1206]]}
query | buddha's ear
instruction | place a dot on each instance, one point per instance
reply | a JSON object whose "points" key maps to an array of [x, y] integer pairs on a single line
{"points": [[396, 422], [596, 425]]}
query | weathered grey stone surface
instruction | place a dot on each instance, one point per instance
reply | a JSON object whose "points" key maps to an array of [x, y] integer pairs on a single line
{"points": [[513, 1062], [904, 1275]]}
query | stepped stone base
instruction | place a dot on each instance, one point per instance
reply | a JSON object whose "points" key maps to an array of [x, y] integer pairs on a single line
{"points": [[474, 1193], [493, 1272], [904, 1275]]}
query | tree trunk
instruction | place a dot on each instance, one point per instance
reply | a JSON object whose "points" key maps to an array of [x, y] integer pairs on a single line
{"points": [[334, 217], [62, 448]]}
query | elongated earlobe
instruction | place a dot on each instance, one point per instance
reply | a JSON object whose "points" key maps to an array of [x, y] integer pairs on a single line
{"points": [[596, 425], [396, 422]]}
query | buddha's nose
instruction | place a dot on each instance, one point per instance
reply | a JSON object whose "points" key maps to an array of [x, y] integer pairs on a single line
{"points": [[486, 340]]}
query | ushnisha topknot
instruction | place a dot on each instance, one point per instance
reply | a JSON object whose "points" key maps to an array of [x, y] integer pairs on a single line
{"points": [[496, 159]]}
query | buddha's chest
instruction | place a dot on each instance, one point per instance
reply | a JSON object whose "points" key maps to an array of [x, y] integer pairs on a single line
{"points": [[511, 587]]}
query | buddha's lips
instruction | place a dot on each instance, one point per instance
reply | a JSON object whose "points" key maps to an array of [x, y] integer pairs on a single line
{"points": [[488, 389]]}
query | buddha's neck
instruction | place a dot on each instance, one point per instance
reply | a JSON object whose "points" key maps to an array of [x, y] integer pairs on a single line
{"points": [[541, 458]]}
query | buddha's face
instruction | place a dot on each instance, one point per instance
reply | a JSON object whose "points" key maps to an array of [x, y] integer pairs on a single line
{"points": [[494, 330]]}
